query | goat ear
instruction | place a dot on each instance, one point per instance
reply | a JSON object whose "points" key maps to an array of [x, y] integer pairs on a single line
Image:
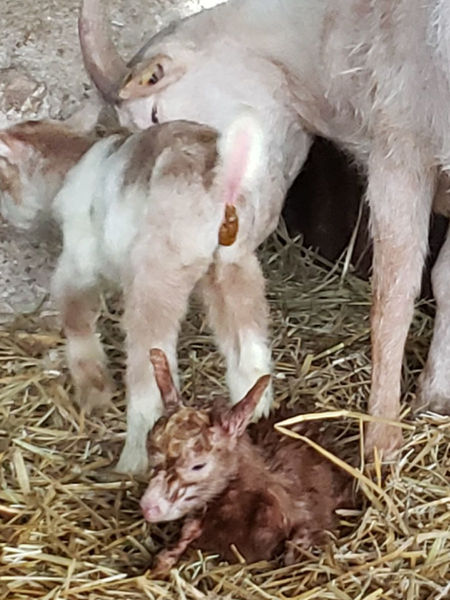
{"points": [[9, 172], [236, 419], [169, 393], [85, 118], [5, 150], [241, 153], [11, 148], [149, 77], [5, 155]]}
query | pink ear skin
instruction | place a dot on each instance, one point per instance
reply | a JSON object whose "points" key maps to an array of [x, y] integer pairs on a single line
{"points": [[11, 149], [10, 153], [169, 393], [234, 422], [5, 150]]}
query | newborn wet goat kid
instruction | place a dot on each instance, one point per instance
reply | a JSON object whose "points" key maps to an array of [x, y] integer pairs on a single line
{"points": [[261, 493], [145, 211]]}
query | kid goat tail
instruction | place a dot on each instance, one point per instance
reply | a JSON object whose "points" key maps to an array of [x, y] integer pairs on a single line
{"points": [[241, 154]]}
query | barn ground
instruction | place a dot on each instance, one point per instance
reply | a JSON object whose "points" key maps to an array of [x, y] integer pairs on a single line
{"points": [[69, 526]]}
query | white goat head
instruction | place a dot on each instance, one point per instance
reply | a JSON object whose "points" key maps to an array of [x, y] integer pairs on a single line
{"points": [[166, 78]]}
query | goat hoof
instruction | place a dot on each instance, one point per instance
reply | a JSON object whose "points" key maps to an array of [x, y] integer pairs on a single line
{"points": [[387, 439], [439, 404], [437, 401], [132, 461], [93, 384], [165, 561], [93, 399]]}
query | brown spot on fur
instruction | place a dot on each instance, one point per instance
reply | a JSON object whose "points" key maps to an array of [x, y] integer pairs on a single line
{"points": [[181, 433], [53, 140], [78, 315], [194, 152]]}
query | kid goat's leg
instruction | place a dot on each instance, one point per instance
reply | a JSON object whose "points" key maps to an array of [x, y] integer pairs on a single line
{"points": [[168, 558], [79, 307], [233, 293], [155, 302], [400, 192]]}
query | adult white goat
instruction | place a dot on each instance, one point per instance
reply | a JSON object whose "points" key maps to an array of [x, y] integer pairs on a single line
{"points": [[373, 76]]}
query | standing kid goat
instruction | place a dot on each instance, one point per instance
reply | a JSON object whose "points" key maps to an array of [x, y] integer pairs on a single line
{"points": [[372, 76], [262, 493], [144, 211]]}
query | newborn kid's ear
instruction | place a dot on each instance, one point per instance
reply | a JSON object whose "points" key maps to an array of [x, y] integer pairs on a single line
{"points": [[236, 419], [169, 393]]}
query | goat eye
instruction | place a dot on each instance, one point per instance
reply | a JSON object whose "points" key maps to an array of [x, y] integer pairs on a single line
{"points": [[198, 467], [155, 115], [156, 75]]}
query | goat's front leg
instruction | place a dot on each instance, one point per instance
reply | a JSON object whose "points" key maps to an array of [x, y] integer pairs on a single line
{"points": [[234, 295], [166, 559], [434, 384], [79, 306], [400, 192], [156, 300]]}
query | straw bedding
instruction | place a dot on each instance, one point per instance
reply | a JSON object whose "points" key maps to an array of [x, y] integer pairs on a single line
{"points": [[71, 527]]}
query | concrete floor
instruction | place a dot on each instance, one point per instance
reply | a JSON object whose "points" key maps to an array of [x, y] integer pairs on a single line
{"points": [[41, 75]]}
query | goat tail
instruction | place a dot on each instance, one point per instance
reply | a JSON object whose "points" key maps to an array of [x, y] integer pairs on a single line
{"points": [[241, 152]]}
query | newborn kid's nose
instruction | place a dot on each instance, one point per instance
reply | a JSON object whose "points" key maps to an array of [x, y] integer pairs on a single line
{"points": [[151, 512]]}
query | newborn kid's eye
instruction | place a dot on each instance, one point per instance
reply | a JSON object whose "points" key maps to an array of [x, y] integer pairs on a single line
{"points": [[198, 467]]}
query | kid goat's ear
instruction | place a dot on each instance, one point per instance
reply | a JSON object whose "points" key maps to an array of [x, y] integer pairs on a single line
{"points": [[13, 148], [235, 420], [10, 148], [169, 393]]}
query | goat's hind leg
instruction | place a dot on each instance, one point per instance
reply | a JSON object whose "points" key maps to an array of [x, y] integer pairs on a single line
{"points": [[234, 295], [155, 302], [434, 383], [79, 307]]}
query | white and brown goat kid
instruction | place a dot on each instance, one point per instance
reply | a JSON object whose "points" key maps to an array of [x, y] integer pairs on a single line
{"points": [[144, 211], [262, 492]]}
